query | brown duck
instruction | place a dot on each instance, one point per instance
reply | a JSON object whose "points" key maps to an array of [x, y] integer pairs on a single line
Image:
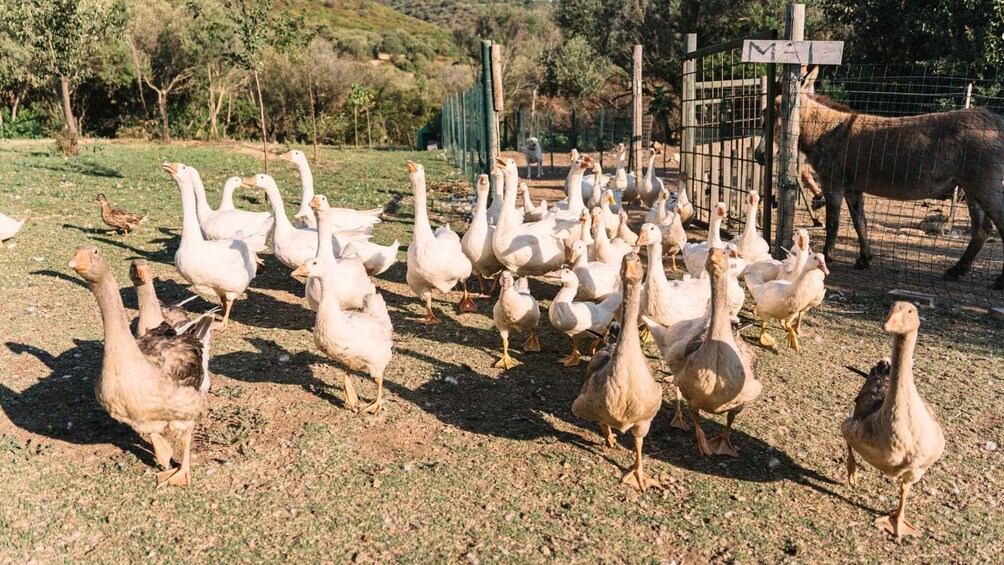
{"points": [[719, 373], [892, 427], [152, 313], [122, 220], [620, 392], [157, 384]]}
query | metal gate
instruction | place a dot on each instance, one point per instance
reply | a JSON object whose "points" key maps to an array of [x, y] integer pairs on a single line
{"points": [[723, 103]]}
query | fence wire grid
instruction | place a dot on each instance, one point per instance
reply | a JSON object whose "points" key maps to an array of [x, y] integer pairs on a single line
{"points": [[913, 242]]}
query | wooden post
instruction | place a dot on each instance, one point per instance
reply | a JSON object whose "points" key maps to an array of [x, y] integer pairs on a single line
{"points": [[636, 111], [688, 116], [489, 116], [794, 30]]}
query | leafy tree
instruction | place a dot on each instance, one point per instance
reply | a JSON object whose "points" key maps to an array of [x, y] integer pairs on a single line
{"points": [[166, 50], [576, 70], [361, 98], [62, 37]]}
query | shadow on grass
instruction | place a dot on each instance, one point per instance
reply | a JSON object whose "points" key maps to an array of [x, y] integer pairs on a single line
{"points": [[263, 366], [62, 405], [86, 167]]}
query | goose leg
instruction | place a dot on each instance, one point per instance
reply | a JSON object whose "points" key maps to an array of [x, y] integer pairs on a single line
{"points": [[376, 405], [678, 421], [608, 436], [636, 477], [573, 358], [798, 322], [646, 334], [702, 440], [466, 304], [162, 451], [895, 523], [182, 476], [506, 362], [720, 444], [531, 343], [672, 261], [792, 338], [430, 318], [351, 399], [227, 305], [765, 338], [852, 467]]}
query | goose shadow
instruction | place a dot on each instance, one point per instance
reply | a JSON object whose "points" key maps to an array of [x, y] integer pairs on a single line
{"points": [[263, 365], [61, 406]]}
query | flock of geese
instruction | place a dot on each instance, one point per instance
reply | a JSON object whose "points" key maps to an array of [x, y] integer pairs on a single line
{"points": [[157, 380]]}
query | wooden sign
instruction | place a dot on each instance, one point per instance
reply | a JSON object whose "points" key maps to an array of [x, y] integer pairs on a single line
{"points": [[793, 52]]}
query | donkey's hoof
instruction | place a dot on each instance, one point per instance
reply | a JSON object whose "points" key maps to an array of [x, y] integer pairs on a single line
{"points": [[954, 273], [863, 263], [998, 284]]}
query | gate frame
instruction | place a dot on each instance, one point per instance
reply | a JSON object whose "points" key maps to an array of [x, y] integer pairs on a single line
{"points": [[692, 55]]}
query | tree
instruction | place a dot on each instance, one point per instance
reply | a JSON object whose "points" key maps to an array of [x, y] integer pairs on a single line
{"points": [[166, 51], [256, 29], [62, 36], [361, 98], [17, 73], [576, 70]]}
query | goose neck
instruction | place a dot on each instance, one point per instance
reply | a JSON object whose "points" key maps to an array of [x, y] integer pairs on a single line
{"points": [[119, 342], [902, 389], [191, 232]]}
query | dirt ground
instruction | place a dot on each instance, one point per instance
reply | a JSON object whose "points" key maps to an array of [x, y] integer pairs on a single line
{"points": [[467, 462]]}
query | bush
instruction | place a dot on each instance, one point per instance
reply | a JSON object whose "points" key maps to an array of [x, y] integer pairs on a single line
{"points": [[28, 125], [66, 143]]}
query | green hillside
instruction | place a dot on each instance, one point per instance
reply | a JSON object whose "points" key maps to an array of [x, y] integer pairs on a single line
{"points": [[361, 27]]}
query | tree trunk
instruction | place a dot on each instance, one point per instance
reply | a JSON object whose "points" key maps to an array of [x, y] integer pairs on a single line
{"points": [[313, 113], [261, 115], [355, 118], [369, 132], [230, 107], [17, 103], [139, 78], [64, 90], [165, 134], [214, 132]]}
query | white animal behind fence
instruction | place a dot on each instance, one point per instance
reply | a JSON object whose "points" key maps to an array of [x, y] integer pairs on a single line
{"points": [[534, 154]]}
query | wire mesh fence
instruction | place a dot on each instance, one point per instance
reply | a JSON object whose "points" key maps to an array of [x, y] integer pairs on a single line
{"points": [[927, 171], [722, 103], [464, 135]]}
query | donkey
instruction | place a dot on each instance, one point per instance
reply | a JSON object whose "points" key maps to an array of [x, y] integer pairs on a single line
{"points": [[909, 158]]}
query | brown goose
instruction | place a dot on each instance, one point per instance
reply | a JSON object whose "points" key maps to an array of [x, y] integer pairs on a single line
{"points": [[718, 375], [151, 312], [122, 220], [892, 427], [620, 392], [158, 384]]}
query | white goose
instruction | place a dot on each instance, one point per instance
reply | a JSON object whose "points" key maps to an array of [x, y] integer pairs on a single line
{"points": [[436, 260], [531, 213], [577, 318], [572, 205], [651, 185], [376, 258], [624, 231], [604, 249], [477, 242], [349, 282], [8, 228], [752, 246], [769, 269], [224, 224], [497, 190], [527, 249], [695, 255], [629, 193], [597, 280], [342, 218], [681, 201], [590, 193], [224, 267], [674, 237]]}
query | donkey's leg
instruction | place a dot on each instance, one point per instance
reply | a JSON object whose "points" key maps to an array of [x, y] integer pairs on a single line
{"points": [[856, 206], [979, 230], [991, 201], [834, 200]]}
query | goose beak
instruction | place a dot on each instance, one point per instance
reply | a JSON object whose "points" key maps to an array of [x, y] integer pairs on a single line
{"points": [[643, 238], [80, 262], [300, 271], [171, 168], [500, 161], [412, 167], [315, 202], [287, 156], [252, 182]]}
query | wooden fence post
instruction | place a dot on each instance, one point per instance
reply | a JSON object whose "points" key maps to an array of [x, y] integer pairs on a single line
{"points": [[489, 116], [794, 30], [636, 111], [688, 117]]}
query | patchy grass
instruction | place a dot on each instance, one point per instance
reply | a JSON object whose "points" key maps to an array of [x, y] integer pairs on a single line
{"points": [[467, 462]]}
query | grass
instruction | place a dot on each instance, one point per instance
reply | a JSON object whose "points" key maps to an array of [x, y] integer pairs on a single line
{"points": [[467, 462]]}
